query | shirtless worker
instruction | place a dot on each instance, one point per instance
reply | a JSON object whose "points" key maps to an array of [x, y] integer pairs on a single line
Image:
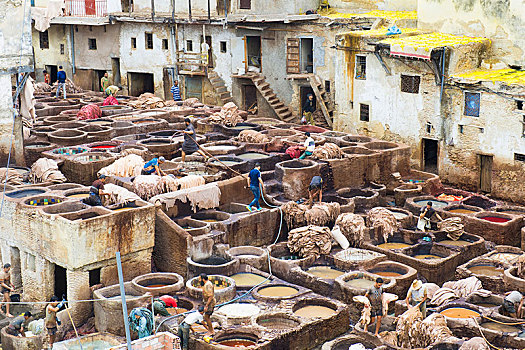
{"points": [[51, 322], [7, 287], [208, 297]]}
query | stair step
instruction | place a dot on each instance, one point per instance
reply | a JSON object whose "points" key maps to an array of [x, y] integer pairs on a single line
{"points": [[212, 74], [281, 110], [215, 80], [225, 95], [268, 94], [226, 100], [220, 89], [277, 104], [273, 99], [263, 86]]}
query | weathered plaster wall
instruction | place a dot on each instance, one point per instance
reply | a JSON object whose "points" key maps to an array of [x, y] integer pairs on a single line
{"points": [[501, 21], [498, 131], [364, 5], [58, 34], [108, 45], [280, 7], [142, 60]]}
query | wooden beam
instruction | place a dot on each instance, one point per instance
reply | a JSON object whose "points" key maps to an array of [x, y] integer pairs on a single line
{"points": [[320, 100]]}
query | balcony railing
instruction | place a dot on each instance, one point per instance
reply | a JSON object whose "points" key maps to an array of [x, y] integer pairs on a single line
{"points": [[86, 8]]}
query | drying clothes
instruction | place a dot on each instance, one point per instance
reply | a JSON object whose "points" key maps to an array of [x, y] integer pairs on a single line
{"points": [[204, 197], [228, 115], [44, 170], [476, 343], [13, 177], [128, 166], [310, 241], [366, 312], [453, 227], [252, 136], [88, 112], [118, 195], [321, 214], [352, 226], [191, 102], [383, 220], [294, 151], [327, 151]]}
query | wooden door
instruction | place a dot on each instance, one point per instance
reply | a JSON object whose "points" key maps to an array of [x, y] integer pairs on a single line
{"points": [[193, 87], [293, 57], [250, 97], [485, 178]]}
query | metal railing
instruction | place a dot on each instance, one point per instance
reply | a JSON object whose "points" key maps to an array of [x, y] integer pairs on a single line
{"points": [[86, 8]]}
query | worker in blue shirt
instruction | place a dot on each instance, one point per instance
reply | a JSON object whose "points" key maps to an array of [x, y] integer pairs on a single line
{"points": [[61, 79], [176, 91], [255, 182], [153, 166]]}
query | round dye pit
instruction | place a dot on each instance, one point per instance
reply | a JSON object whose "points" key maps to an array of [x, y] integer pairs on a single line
{"points": [[360, 283], [387, 273], [248, 279], [493, 326], [277, 321], [237, 343], [462, 211], [278, 291], [495, 219], [78, 195], [311, 311], [37, 202], [24, 193], [213, 260], [459, 312], [252, 156], [435, 204], [224, 163], [68, 151], [325, 272], [458, 243], [398, 215], [427, 257], [486, 270], [393, 245]]}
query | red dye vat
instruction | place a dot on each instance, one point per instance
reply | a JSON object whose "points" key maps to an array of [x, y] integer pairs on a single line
{"points": [[311, 128], [495, 219], [103, 146]]}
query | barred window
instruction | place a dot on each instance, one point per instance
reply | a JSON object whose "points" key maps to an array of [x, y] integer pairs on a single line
{"points": [[245, 4], [364, 112], [92, 44], [149, 41], [133, 43], [44, 40], [410, 83], [472, 101], [360, 67]]}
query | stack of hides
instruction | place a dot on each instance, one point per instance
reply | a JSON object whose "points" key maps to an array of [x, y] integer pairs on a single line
{"points": [[150, 101], [321, 214], [453, 227], [457, 289], [90, 111], [128, 166], [148, 186], [352, 226], [44, 170], [252, 136], [383, 221], [118, 195], [327, 151], [228, 115], [310, 241]]}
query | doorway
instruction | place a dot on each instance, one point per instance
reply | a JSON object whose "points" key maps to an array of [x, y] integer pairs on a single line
{"points": [[305, 91], [115, 70], [430, 155], [250, 97], [253, 53], [210, 52], [307, 55], [140, 83], [485, 174], [96, 84], [193, 87], [60, 282], [52, 70], [167, 82], [16, 267]]}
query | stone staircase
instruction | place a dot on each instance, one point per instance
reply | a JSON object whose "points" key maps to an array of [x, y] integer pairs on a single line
{"points": [[219, 87], [323, 101], [283, 112]]}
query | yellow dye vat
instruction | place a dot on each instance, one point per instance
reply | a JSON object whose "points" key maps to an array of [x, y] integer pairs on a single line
{"points": [[458, 243], [325, 272], [311, 311], [462, 211], [391, 246], [486, 270], [248, 279], [459, 312], [277, 291]]}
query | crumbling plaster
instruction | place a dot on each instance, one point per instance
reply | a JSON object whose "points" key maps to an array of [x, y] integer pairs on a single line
{"points": [[57, 34]]}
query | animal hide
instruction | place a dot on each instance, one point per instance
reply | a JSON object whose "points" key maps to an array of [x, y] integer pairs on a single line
{"points": [[128, 166], [228, 115], [310, 241], [366, 312], [90, 111], [13, 177], [382, 220], [327, 151], [321, 214], [252, 136], [521, 266], [352, 227], [476, 343], [456, 289], [44, 170], [204, 197], [190, 102], [118, 195], [453, 227], [148, 186]]}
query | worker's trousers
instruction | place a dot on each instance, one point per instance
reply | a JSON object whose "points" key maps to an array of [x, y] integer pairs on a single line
{"points": [[63, 87], [257, 195], [184, 335]]}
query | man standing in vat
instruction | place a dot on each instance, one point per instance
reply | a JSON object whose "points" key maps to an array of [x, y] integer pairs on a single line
{"points": [[208, 297], [7, 287], [417, 297], [189, 320], [190, 145], [427, 212], [375, 295], [315, 188]]}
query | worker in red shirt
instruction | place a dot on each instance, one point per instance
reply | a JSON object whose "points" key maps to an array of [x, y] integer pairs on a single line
{"points": [[160, 304]]}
